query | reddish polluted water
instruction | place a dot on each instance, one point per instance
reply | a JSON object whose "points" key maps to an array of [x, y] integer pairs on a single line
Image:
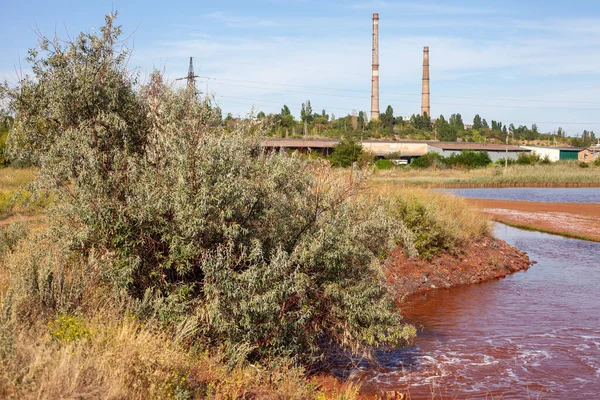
{"points": [[534, 334]]}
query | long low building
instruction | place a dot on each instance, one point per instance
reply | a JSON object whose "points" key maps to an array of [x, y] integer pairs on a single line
{"points": [[406, 149], [381, 148], [495, 151]]}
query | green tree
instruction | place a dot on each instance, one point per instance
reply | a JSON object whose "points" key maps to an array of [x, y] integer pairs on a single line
{"points": [[285, 111], [477, 124], [456, 122], [387, 118], [346, 153], [445, 131], [261, 115], [306, 115]]}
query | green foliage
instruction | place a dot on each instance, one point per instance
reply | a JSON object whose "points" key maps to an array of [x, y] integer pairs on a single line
{"points": [[3, 160], [597, 161], [266, 251], [469, 159], [429, 234], [68, 328], [583, 164], [528, 159], [429, 160], [80, 84], [10, 235], [384, 164], [345, 153]]}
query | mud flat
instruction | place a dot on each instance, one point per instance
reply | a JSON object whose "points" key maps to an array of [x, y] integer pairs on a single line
{"points": [[577, 220], [483, 260]]}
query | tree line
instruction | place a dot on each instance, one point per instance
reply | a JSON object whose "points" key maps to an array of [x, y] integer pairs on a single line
{"points": [[416, 127]]}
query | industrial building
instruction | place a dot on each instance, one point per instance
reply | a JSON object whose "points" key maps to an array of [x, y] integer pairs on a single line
{"points": [[555, 153], [380, 148], [495, 151]]}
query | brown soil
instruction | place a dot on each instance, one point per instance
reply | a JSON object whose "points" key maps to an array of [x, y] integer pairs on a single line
{"points": [[569, 219], [18, 218], [485, 259]]}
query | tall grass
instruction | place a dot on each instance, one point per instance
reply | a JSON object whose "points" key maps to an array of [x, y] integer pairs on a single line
{"points": [[63, 334], [562, 174], [438, 222], [14, 196]]}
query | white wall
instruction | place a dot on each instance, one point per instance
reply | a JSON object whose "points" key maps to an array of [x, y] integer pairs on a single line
{"points": [[553, 154]]}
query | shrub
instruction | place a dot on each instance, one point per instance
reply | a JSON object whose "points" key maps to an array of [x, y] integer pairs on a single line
{"points": [[529, 159], [10, 235], [269, 252], [68, 328], [583, 164], [437, 222], [469, 159], [3, 161], [428, 160], [384, 164], [346, 153], [597, 161]]}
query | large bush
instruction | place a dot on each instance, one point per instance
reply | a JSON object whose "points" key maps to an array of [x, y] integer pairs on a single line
{"points": [[429, 160], [469, 159], [267, 251], [346, 153]]}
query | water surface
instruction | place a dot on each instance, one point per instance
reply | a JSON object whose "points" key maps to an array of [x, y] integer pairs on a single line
{"points": [[534, 334], [554, 195]]}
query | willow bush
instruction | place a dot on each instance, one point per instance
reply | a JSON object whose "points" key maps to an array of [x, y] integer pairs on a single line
{"points": [[269, 253]]}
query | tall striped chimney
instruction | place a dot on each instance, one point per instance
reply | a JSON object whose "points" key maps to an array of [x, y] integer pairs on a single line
{"points": [[375, 71], [425, 105]]}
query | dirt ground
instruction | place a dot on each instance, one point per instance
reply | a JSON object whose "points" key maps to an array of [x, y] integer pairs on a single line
{"points": [[575, 219]]}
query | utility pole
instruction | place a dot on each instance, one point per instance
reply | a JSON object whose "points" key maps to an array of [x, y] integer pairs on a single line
{"points": [[191, 78]]}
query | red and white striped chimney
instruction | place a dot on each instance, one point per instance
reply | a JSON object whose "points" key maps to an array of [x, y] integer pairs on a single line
{"points": [[375, 71]]}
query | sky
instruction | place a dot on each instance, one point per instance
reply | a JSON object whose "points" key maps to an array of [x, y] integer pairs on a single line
{"points": [[520, 62]]}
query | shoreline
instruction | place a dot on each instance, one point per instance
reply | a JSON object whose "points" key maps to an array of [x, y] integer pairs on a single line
{"points": [[466, 185], [573, 220], [483, 260]]}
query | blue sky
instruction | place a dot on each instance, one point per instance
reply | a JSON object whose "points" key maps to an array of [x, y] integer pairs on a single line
{"points": [[513, 61]]}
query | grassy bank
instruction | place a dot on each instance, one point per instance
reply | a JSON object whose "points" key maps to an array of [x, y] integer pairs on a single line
{"points": [[14, 196], [552, 175]]}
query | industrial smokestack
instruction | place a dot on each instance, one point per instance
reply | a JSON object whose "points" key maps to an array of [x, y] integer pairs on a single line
{"points": [[425, 105], [375, 72]]}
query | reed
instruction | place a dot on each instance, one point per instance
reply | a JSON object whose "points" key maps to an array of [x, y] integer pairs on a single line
{"points": [[563, 174]]}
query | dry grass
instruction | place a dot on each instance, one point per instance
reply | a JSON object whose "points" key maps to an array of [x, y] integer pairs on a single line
{"points": [[439, 222], [14, 198], [564, 174], [123, 359], [64, 335], [13, 178]]}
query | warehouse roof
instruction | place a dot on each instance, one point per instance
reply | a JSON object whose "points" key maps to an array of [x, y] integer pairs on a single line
{"points": [[476, 146], [557, 148]]}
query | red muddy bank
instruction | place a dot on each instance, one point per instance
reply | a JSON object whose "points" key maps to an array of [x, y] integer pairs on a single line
{"points": [[484, 259], [569, 219]]}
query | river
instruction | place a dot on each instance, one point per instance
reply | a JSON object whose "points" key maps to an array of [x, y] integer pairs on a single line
{"points": [[554, 195], [534, 334]]}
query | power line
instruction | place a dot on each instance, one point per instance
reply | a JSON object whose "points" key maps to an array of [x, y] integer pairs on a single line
{"points": [[257, 102], [393, 93], [410, 101]]}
